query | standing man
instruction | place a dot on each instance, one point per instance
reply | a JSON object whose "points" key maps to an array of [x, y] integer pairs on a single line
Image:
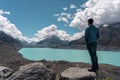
{"points": [[91, 37]]}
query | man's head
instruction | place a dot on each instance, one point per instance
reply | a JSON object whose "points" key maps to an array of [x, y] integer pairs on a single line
{"points": [[90, 21]]}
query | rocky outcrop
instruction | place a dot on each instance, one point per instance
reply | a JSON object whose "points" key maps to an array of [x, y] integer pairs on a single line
{"points": [[74, 73], [38, 71], [5, 72], [46, 70], [34, 71]]}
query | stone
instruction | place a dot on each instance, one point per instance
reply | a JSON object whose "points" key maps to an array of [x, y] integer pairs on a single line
{"points": [[33, 71], [76, 73], [5, 72]]}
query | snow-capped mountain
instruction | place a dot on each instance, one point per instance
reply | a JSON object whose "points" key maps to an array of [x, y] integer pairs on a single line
{"points": [[52, 41]]}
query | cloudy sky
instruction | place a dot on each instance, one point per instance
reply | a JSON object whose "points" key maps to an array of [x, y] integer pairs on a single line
{"points": [[35, 20]]}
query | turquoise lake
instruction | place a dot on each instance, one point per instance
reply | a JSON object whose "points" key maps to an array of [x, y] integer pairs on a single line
{"points": [[106, 57]]}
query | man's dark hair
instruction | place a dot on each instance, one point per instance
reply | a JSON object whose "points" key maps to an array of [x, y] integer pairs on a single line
{"points": [[90, 21]]}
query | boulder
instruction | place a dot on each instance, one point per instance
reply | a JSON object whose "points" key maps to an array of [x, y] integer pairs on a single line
{"points": [[33, 71], [76, 73], [5, 72]]}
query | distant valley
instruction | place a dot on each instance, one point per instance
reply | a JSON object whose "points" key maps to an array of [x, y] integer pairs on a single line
{"points": [[109, 37]]}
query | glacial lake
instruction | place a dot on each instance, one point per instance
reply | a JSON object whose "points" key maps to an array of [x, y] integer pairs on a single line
{"points": [[105, 57]]}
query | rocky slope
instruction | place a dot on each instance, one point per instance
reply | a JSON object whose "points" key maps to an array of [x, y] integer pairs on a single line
{"points": [[9, 55], [110, 35], [6, 39]]}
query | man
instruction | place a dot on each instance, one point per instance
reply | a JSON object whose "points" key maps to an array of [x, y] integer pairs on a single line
{"points": [[91, 37]]}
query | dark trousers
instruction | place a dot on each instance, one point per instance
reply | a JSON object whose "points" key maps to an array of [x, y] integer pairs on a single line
{"points": [[92, 52]]}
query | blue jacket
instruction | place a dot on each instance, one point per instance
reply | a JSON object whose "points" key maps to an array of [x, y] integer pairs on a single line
{"points": [[91, 34]]}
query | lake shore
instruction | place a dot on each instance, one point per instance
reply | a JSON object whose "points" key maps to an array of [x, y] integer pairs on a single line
{"points": [[72, 55], [12, 59], [105, 71]]}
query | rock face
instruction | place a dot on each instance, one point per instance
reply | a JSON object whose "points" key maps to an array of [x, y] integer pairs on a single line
{"points": [[5, 72], [34, 71], [9, 55], [74, 73], [5, 38], [109, 35]]}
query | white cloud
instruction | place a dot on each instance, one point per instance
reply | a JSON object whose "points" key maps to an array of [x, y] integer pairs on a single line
{"points": [[79, 10], [9, 28], [52, 30], [64, 8], [77, 35], [4, 12], [64, 17], [56, 15], [102, 11], [72, 6], [83, 6]]}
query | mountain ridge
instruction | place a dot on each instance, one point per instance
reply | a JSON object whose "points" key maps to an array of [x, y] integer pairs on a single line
{"points": [[109, 36], [52, 41]]}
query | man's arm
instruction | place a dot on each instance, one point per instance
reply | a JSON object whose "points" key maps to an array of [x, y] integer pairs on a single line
{"points": [[98, 35], [86, 35]]}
